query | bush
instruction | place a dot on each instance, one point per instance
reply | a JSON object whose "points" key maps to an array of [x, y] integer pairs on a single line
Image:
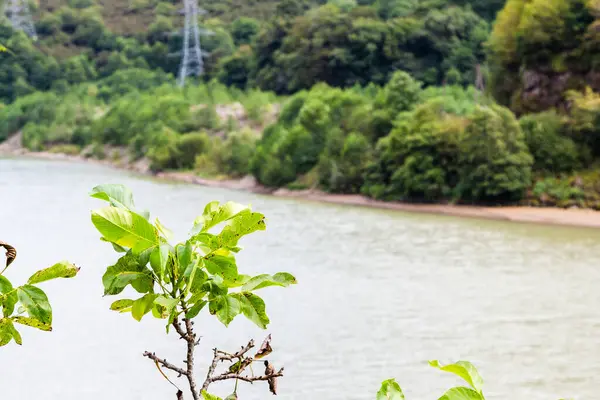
{"points": [[419, 159], [238, 151], [38, 108], [235, 70], [558, 192], [495, 164], [243, 30], [342, 165], [584, 122], [400, 94], [188, 147], [552, 151], [33, 136], [163, 150]]}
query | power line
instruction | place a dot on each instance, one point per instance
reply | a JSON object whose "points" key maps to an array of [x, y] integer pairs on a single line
{"points": [[19, 15]]}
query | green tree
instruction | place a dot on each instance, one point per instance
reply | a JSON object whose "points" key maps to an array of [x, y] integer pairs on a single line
{"points": [[419, 159], [235, 70], [243, 30], [553, 152], [495, 163]]}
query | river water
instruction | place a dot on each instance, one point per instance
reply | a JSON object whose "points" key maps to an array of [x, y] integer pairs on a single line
{"points": [[379, 294]]}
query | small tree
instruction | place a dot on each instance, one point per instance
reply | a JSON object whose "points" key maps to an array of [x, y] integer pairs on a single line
{"points": [[178, 282], [31, 303]]}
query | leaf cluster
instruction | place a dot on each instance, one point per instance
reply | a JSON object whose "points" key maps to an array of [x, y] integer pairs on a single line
{"points": [[390, 390], [181, 280], [27, 304]]}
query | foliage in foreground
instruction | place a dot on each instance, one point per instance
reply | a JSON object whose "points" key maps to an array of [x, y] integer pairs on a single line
{"points": [[31, 303], [177, 282], [391, 390]]}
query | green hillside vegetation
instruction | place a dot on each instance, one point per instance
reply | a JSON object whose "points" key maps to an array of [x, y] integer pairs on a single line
{"points": [[374, 97]]}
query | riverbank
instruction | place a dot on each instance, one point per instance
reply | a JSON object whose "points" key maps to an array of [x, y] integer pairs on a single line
{"points": [[542, 215]]}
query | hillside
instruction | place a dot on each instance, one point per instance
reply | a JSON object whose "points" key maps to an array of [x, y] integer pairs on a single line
{"points": [[422, 101]]}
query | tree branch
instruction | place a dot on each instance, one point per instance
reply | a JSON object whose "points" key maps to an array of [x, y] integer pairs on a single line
{"points": [[191, 344], [250, 379], [165, 363], [240, 356]]}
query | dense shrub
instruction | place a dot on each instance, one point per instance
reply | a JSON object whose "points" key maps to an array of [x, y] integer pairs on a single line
{"points": [[342, 164], [419, 159], [243, 30], [552, 151], [495, 163], [584, 121], [237, 152]]}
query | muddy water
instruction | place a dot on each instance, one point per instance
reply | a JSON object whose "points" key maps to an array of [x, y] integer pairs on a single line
{"points": [[380, 293]]}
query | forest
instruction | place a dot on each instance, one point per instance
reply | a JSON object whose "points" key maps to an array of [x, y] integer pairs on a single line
{"points": [[462, 101]]}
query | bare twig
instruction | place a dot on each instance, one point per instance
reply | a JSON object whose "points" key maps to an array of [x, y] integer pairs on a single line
{"points": [[165, 363], [211, 369], [243, 360], [190, 337], [239, 359], [250, 379], [223, 356]]}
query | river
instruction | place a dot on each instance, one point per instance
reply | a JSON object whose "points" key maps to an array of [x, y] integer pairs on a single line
{"points": [[379, 294]]}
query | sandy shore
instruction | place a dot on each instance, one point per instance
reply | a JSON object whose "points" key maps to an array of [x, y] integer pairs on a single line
{"points": [[552, 216]]}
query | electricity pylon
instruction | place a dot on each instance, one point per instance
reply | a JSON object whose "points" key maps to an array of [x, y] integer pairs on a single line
{"points": [[191, 61], [19, 15]]}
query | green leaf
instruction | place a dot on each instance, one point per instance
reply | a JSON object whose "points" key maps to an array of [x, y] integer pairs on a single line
{"points": [[7, 332], [282, 279], [242, 224], [164, 231], [142, 306], [125, 228], [159, 258], [222, 264], [184, 256], [390, 390], [462, 393], [239, 280], [208, 396], [34, 323], [168, 303], [116, 195], [35, 302], [253, 307], [62, 269], [127, 271], [195, 310], [9, 298], [115, 246], [226, 308], [215, 213], [235, 367], [15, 334], [463, 369], [197, 279], [123, 305], [214, 286]]}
